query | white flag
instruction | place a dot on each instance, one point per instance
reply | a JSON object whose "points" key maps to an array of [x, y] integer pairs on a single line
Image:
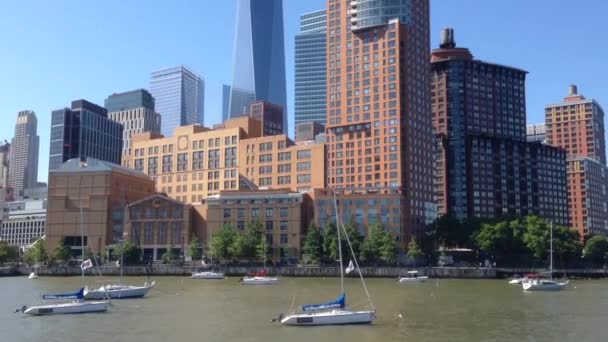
{"points": [[86, 264], [117, 263], [350, 267]]}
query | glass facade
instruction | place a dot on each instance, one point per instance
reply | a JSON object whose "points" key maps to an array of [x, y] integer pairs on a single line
{"points": [[311, 69], [259, 56], [372, 13], [225, 102], [84, 131], [179, 94]]}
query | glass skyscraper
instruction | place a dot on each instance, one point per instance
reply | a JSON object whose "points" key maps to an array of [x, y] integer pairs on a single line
{"points": [[179, 95], [82, 131], [310, 73], [259, 56]]}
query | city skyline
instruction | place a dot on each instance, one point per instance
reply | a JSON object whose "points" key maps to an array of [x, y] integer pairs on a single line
{"points": [[49, 83]]}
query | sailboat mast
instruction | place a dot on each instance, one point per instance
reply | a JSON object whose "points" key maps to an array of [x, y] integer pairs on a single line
{"points": [[551, 254], [81, 242], [339, 243]]}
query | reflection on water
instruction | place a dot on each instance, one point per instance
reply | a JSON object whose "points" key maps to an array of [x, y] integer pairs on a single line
{"points": [[181, 309]]}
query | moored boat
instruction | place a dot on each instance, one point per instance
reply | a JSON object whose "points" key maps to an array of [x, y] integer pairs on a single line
{"points": [[207, 275], [260, 278], [76, 306], [118, 291], [412, 277]]}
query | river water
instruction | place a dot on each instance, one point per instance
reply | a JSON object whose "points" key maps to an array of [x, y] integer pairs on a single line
{"points": [[181, 309]]}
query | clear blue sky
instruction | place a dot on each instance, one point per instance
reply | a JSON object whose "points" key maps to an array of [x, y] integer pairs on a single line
{"points": [[53, 52]]}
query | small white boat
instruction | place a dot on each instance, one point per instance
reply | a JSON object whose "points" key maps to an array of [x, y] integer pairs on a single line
{"points": [[543, 285], [412, 277], [260, 280], [118, 291], [207, 275], [75, 307], [516, 281], [333, 317], [33, 275]]}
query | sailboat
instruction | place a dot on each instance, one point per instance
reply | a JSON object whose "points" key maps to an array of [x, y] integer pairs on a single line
{"points": [[334, 312], [120, 290], [539, 284], [77, 303], [208, 274]]}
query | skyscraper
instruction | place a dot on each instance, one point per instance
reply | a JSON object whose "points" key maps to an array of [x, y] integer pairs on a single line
{"points": [[225, 102], [5, 152], [577, 125], [484, 165], [259, 56], [311, 69], [179, 95], [135, 111], [82, 131], [379, 129], [23, 170]]}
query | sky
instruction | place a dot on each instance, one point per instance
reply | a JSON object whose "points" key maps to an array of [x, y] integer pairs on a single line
{"points": [[53, 52]]}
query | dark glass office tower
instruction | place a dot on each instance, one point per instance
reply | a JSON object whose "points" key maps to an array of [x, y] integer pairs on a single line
{"points": [[84, 130], [259, 56], [310, 72]]}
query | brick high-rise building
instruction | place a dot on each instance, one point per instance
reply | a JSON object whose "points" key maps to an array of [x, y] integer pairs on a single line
{"points": [[379, 129], [577, 125], [484, 165], [23, 170]]}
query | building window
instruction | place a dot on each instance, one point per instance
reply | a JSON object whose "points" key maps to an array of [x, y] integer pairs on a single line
{"points": [[162, 234], [240, 212], [255, 212], [197, 160], [148, 234], [139, 165], [303, 166], [284, 212], [227, 212], [176, 234], [182, 162], [304, 154], [269, 226], [269, 212], [284, 156], [153, 166], [214, 159], [284, 239], [240, 225], [267, 181], [266, 158], [284, 226], [284, 168], [266, 146], [265, 170], [304, 178], [283, 180], [167, 163]]}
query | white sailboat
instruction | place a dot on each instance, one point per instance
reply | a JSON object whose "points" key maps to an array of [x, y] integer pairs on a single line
{"points": [[539, 284], [75, 303], [208, 274], [412, 277], [120, 290], [336, 312]]}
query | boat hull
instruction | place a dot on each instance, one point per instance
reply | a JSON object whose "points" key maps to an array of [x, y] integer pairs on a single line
{"points": [[515, 281], [66, 308], [260, 281], [118, 292], [207, 275], [421, 279], [334, 317], [33, 275], [543, 286]]}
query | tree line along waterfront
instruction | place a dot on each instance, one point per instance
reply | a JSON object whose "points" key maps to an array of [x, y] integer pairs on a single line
{"points": [[516, 242]]}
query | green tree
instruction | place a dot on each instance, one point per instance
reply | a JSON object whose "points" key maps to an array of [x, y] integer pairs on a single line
{"points": [[414, 252], [371, 246], [168, 257], [536, 236], [250, 240], [596, 249], [566, 243], [195, 249], [262, 250], [62, 252], [223, 243], [330, 243], [388, 248], [131, 252], [7, 253], [313, 243], [36, 254], [354, 235]]}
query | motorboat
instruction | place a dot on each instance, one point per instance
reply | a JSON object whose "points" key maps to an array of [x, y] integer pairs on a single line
{"points": [[76, 306], [543, 285], [260, 278], [412, 277], [118, 291], [335, 312], [33, 275], [207, 275]]}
